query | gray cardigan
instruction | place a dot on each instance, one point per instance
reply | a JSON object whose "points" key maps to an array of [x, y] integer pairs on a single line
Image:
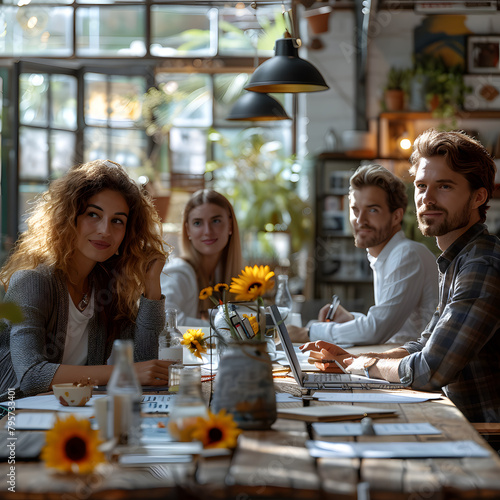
{"points": [[31, 351]]}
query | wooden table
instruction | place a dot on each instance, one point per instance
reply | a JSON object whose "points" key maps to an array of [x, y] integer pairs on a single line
{"points": [[275, 464]]}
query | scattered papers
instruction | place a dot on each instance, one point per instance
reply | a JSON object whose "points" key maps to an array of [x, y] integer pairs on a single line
{"points": [[154, 403], [333, 413], [283, 397], [50, 402], [374, 397], [34, 421], [355, 429], [435, 449]]}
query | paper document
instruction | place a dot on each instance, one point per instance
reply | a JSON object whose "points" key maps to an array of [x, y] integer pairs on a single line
{"points": [[34, 421], [333, 413], [355, 429], [434, 449], [374, 397]]}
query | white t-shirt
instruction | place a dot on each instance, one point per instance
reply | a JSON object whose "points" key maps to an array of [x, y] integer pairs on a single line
{"points": [[76, 346]]}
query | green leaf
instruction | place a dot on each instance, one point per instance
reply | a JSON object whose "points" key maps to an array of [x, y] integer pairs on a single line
{"points": [[11, 312]]}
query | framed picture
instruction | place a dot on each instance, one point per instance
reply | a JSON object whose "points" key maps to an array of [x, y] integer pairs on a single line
{"points": [[483, 54], [485, 92]]}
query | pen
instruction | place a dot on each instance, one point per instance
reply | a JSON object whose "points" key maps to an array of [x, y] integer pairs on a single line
{"points": [[333, 308]]}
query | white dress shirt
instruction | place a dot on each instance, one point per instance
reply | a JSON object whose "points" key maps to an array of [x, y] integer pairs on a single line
{"points": [[405, 282]]}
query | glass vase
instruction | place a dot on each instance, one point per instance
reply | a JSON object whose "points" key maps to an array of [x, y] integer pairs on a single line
{"points": [[244, 385]]}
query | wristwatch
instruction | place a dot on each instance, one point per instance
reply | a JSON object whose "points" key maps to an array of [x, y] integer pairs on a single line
{"points": [[368, 365]]}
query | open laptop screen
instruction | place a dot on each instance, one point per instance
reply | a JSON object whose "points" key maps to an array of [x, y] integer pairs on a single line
{"points": [[287, 344]]}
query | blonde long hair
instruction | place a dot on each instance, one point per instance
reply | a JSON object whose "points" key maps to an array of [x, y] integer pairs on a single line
{"points": [[51, 235], [231, 260]]}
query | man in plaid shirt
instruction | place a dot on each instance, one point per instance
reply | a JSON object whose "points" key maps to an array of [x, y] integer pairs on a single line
{"points": [[458, 351]]}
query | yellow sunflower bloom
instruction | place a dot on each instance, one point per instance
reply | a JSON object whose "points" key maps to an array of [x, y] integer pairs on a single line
{"points": [[221, 286], [194, 340], [217, 430], [253, 282], [72, 446], [206, 293], [253, 323]]}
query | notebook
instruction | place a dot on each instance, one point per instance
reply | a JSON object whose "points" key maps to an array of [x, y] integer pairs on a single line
{"points": [[323, 380]]}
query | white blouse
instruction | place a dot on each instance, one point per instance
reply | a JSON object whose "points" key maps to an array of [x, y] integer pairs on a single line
{"points": [[76, 346]]}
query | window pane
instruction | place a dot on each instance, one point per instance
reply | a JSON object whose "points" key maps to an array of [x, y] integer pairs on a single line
{"points": [[182, 100], [33, 99], [126, 100], [36, 30], [96, 99], [96, 144], [32, 2], [245, 31], [189, 150], [126, 147], [33, 146], [178, 32], [110, 31], [113, 100], [64, 97], [62, 151], [27, 193]]}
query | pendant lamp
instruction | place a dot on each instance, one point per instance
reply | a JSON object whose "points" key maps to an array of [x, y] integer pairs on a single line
{"points": [[254, 106], [286, 72]]}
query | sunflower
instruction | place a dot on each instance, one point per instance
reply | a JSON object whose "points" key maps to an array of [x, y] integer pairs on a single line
{"points": [[221, 286], [194, 340], [253, 282], [72, 446], [253, 323], [217, 430], [206, 293]]}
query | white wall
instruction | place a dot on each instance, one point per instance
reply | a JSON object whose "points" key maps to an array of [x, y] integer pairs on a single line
{"points": [[390, 43]]}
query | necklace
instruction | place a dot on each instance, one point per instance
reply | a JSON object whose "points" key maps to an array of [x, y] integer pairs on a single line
{"points": [[83, 303]]}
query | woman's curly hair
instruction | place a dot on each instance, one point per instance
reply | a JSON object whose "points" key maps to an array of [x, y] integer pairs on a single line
{"points": [[51, 235]]}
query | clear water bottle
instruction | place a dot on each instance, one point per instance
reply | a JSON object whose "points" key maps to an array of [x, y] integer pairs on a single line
{"points": [[188, 405], [283, 297], [169, 341], [124, 394]]}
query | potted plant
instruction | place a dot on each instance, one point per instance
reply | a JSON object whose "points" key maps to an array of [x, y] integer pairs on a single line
{"points": [[441, 88], [259, 180], [395, 89]]}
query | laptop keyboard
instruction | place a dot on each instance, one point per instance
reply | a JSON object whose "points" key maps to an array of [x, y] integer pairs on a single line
{"points": [[326, 377]]}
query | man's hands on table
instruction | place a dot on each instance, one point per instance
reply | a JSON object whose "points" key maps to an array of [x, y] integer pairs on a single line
{"points": [[321, 351]]}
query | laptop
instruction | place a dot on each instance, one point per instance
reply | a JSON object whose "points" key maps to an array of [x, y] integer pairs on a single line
{"points": [[323, 380]]}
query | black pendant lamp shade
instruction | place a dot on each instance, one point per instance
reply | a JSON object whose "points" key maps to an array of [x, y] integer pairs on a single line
{"points": [[286, 72], [254, 106]]}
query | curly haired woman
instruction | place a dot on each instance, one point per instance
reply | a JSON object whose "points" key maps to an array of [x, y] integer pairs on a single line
{"points": [[85, 272]]}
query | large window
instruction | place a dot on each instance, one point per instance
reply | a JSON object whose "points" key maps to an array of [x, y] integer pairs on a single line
{"points": [[134, 29], [147, 84]]}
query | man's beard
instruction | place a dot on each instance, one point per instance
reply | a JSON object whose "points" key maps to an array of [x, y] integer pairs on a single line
{"points": [[375, 239], [431, 227]]}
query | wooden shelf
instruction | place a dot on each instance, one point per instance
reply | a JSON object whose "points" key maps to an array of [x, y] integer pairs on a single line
{"points": [[423, 115]]}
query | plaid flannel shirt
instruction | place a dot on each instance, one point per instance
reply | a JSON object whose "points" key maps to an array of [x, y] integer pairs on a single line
{"points": [[460, 348]]}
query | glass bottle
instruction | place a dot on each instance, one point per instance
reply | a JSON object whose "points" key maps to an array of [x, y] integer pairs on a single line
{"points": [[283, 297], [124, 393], [169, 341], [188, 406]]}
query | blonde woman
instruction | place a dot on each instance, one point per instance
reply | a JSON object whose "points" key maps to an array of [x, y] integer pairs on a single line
{"points": [[210, 254], [85, 272]]}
